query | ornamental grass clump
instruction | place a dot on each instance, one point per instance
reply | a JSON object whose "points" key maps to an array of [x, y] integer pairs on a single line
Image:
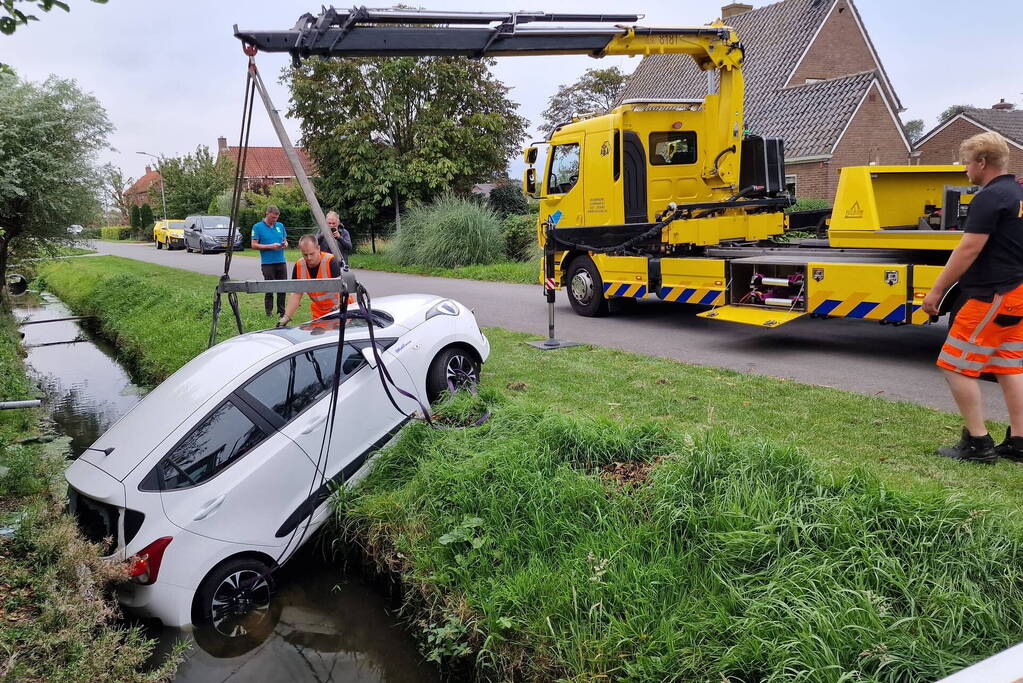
{"points": [[450, 232], [731, 559]]}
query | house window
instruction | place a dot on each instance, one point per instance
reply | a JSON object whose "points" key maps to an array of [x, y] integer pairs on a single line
{"points": [[790, 185]]}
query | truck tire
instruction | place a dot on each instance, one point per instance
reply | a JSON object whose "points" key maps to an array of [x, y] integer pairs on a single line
{"points": [[586, 288]]}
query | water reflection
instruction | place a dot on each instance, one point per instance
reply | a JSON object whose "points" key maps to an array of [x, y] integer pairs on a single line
{"points": [[320, 626]]}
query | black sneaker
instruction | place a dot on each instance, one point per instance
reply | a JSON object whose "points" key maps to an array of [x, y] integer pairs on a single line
{"points": [[980, 449], [1011, 448]]}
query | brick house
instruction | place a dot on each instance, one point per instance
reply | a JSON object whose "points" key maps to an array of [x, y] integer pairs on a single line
{"points": [[813, 78], [138, 193], [941, 145], [265, 165]]}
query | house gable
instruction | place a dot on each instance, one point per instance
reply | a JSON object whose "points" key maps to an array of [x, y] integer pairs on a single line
{"points": [[841, 46], [941, 144]]}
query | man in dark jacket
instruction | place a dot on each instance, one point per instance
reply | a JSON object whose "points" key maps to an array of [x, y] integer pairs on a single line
{"points": [[344, 240]]}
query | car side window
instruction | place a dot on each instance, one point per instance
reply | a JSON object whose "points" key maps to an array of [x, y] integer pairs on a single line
{"points": [[564, 168], [293, 384], [219, 440]]}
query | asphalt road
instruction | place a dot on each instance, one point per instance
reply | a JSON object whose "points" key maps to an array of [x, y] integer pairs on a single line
{"points": [[855, 355]]}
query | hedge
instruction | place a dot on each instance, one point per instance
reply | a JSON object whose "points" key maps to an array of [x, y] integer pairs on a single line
{"points": [[115, 232]]}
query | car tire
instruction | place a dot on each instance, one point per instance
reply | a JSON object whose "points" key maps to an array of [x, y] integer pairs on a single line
{"points": [[455, 363], [218, 603], [202, 247], [188, 249], [159, 244], [586, 288]]}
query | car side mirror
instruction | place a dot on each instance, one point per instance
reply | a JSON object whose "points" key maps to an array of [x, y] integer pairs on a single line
{"points": [[530, 155], [529, 182], [368, 356]]}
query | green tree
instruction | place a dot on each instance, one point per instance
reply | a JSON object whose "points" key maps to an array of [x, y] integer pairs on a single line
{"points": [[115, 187], [50, 133], [135, 219], [914, 129], [193, 180], [16, 17], [401, 128], [954, 110], [146, 219], [595, 91], [507, 199]]}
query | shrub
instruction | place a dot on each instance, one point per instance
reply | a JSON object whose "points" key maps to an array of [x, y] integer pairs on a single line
{"points": [[451, 232], [135, 220], [809, 204], [519, 232], [116, 232], [507, 199]]}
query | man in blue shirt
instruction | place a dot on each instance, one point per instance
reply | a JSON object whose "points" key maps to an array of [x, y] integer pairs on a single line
{"points": [[269, 237]]}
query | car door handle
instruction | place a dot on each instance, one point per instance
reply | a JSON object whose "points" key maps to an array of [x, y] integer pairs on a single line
{"points": [[209, 507], [314, 424]]}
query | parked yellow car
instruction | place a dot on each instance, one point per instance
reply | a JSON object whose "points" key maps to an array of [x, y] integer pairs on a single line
{"points": [[170, 234]]}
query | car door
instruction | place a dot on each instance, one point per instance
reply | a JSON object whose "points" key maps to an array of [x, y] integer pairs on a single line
{"points": [[232, 476], [190, 240], [296, 392]]}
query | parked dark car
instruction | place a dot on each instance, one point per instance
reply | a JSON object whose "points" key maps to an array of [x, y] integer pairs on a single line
{"points": [[209, 233]]}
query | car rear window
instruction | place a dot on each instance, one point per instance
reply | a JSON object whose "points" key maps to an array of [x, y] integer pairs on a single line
{"points": [[218, 441]]}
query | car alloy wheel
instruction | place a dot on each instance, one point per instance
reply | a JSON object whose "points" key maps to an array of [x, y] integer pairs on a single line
{"points": [[241, 593]]}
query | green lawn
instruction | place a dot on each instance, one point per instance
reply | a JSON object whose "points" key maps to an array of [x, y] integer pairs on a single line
{"points": [[635, 518], [519, 272]]}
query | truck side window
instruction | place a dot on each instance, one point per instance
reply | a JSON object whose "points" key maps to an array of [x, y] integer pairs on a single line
{"points": [[218, 441], [293, 384], [673, 149], [564, 168]]}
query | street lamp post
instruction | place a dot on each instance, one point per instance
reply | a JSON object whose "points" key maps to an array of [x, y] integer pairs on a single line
{"points": [[160, 170]]}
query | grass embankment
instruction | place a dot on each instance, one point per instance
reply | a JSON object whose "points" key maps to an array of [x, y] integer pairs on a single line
{"points": [[857, 551], [518, 272], [56, 616]]}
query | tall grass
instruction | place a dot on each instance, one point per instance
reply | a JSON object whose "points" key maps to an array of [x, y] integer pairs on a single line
{"points": [[736, 560], [450, 232]]}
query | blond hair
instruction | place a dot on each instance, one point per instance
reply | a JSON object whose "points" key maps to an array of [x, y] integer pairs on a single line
{"points": [[989, 147]]}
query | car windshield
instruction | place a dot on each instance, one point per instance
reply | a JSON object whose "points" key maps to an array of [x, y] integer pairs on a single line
{"points": [[175, 224], [216, 222], [328, 325]]}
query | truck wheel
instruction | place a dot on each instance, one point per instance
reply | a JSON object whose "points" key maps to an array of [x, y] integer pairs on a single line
{"points": [[452, 366], [586, 288]]}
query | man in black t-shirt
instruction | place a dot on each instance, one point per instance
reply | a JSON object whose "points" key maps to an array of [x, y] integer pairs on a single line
{"points": [[987, 335]]}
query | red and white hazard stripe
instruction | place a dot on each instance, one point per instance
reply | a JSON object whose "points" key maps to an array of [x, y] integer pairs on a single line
{"points": [[549, 283]]}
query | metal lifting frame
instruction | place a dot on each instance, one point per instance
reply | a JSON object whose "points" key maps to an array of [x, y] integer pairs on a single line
{"points": [[254, 83]]}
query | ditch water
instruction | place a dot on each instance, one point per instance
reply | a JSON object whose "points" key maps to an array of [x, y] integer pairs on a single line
{"points": [[323, 624]]}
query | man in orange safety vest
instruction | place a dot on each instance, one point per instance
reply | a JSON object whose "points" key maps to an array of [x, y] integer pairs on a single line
{"points": [[314, 264]]}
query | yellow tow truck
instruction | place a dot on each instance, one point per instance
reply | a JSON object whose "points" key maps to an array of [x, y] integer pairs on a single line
{"points": [[673, 199], [169, 233]]}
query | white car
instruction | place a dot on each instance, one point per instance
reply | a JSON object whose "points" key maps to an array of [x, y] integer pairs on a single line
{"points": [[207, 483]]}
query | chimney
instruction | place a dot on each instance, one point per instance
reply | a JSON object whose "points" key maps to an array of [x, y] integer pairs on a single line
{"points": [[222, 145], [733, 8], [1003, 105], [148, 170]]}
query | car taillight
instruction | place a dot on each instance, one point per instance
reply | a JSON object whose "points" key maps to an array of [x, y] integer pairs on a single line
{"points": [[144, 565]]}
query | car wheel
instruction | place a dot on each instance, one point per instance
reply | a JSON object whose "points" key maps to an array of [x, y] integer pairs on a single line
{"points": [[159, 244], [188, 249], [235, 596], [202, 247], [453, 367], [586, 288]]}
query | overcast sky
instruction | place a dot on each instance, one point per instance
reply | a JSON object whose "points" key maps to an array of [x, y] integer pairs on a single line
{"points": [[171, 75]]}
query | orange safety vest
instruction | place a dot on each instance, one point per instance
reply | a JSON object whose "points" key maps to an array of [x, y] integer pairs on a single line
{"points": [[322, 302]]}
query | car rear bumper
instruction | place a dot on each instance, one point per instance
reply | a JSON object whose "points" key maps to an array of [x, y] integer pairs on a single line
{"points": [[171, 604]]}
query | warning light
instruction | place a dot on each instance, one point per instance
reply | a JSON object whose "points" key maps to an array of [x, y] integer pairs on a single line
{"points": [[676, 125]]}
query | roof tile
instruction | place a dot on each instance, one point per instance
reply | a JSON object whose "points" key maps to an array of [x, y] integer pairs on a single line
{"points": [[270, 162]]}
